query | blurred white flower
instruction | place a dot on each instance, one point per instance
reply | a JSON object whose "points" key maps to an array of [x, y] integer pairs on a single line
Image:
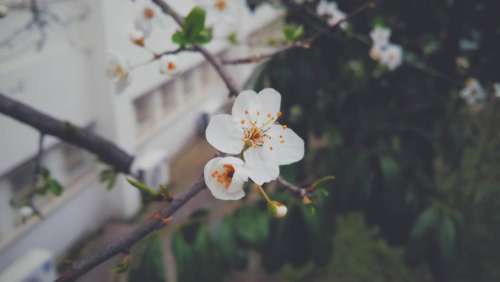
{"points": [[118, 71], [331, 12], [144, 20], [278, 209], [137, 37], [26, 211], [168, 64], [473, 93], [222, 16], [225, 178], [496, 89], [252, 128], [392, 56], [380, 36]]}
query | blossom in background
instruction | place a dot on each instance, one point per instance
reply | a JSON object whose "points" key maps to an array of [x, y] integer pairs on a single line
{"points": [[168, 64], [225, 178], [252, 128], [384, 52], [380, 36], [144, 20], [473, 93], [118, 71], [331, 12], [496, 89], [26, 211], [222, 16], [391, 56], [137, 37]]}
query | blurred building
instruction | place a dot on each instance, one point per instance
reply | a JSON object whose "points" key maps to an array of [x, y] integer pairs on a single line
{"points": [[59, 69]]}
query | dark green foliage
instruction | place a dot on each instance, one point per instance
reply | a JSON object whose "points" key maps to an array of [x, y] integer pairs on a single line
{"points": [[147, 262], [193, 29]]}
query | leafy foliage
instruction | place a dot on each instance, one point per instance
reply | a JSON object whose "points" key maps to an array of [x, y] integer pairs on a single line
{"points": [[147, 261], [193, 29]]}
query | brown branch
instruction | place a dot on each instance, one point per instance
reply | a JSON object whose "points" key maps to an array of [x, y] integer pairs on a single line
{"points": [[299, 191], [228, 80], [129, 240], [67, 132]]}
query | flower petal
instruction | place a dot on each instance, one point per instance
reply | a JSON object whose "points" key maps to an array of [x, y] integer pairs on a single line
{"points": [[245, 106], [270, 103], [235, 191], [224, 134], [261, 166], [288, 147]]}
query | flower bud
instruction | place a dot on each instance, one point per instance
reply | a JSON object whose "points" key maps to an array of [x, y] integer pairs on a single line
{"points": [[278, 209], [137, 37]]}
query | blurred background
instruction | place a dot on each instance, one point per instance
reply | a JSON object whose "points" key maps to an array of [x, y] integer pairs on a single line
{"points": [[413, 149]]}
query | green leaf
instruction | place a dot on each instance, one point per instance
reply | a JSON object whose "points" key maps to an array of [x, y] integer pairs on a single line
{"points": [[424, 223], [203, 37], [292, 32], [447, 235], [194, 23], [179, 38], [54, 187], [108, 176]]}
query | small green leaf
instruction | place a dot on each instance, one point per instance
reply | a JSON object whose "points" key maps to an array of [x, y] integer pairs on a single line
{"points": [[447, 235], [203, 37], [108, 176], [194, 23], [424, 223], [292, 32], [232, 38], [179, 38], [142, 187], [54, 187]]}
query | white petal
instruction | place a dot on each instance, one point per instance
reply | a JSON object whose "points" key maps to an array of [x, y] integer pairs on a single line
{"points": [[270, 103], [261, 165], [235, 191], [245, 106], [288, 147], [143, 25], [225, 134]]}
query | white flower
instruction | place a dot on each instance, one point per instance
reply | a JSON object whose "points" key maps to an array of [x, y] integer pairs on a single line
{"points": [[144, 20], [496, 88], [168, 64], [26, 211], [137, 37], [380, 36], [118, 71], [473, 93], [331, 12], [225, 178], [252, 128], [222, 16], [391, 56]]}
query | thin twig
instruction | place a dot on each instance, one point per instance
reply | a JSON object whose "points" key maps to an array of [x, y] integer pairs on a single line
{"points": [[125, 243], [306, 43], [299, 191], [228, 80]]}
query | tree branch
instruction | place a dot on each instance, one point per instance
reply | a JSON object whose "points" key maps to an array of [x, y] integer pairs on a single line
{"points": [[228, 80], [126, 242], [67, 132]]}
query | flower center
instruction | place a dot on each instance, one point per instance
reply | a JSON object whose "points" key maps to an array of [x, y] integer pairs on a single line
{"points": [[120, 72], [171, 66], [253, 136], [220, 5], [226, 176], [149, 13]]}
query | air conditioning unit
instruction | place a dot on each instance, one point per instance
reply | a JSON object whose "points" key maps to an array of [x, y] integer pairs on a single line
{"points": [[36, 266], [152, 168]]}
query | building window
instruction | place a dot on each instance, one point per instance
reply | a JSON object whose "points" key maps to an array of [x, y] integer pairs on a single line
{"points": [[169, 98], [144, 112]]}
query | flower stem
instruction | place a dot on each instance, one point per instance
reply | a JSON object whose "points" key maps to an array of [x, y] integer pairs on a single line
{"points": [[263, 194]]}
